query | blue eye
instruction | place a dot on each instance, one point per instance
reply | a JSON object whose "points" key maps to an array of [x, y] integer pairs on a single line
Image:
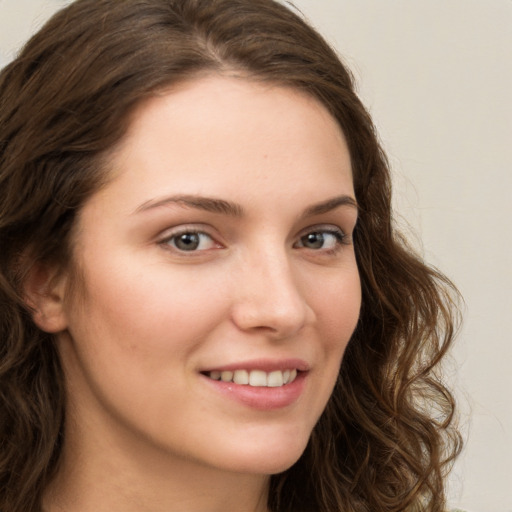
{"points": [[327, 240], [191, 241]]}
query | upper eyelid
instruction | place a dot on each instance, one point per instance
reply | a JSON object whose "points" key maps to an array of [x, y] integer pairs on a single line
{"points": [[166, 238], [185, 228], [330, 228], [344, 237], [206, 229], [334, 231]]}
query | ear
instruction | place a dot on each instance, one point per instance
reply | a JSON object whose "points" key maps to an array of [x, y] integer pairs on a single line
{"points": [[44, 289]]}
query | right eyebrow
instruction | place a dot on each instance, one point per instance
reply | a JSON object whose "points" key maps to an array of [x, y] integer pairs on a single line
{"points": [[209, 204], [331, 204]]}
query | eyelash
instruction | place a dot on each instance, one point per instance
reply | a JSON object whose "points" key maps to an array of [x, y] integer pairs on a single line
{"points": [[340, 239], [168, 241], [339, 236]]}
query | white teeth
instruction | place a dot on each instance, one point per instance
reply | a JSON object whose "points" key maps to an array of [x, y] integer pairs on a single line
{"points": [[256, 378], [275, 379], [241, 377], [226, 376]]}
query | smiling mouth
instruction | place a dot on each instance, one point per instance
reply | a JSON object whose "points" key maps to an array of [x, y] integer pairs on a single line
{"points": [[255, 378]]}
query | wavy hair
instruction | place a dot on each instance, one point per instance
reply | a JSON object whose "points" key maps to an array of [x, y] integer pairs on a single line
{"points": [[386, 438]]}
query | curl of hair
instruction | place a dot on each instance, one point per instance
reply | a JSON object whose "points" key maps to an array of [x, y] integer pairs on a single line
{"points": [[386, 437]]}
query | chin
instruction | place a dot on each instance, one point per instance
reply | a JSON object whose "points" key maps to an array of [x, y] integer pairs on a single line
{"points": [[271, 459]]}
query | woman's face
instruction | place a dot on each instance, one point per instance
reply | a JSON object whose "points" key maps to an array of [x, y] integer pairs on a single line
{"points": [[221, 249]]}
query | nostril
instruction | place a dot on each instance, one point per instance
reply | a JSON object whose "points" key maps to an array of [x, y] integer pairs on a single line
{"points": [[267, 298], [269, 317]]}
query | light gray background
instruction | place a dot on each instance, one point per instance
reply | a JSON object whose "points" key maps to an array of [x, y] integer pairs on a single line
{"points": [[437, 77]]}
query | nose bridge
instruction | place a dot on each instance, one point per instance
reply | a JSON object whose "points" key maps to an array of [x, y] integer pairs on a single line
{"points": [[268, 293]]}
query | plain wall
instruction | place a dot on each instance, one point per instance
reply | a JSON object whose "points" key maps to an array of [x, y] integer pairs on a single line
{"points": [[437, 78]]}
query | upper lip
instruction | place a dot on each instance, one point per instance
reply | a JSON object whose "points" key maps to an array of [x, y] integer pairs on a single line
{"points": [[266, 365]]}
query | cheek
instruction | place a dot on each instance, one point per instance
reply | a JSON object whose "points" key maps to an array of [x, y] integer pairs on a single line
{"points": [[148, 309], [337, 308], [337, 311], [135, 335], [339, 316]]}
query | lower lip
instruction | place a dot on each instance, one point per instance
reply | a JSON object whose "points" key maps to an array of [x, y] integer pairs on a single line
{"points": [[261, 398]]}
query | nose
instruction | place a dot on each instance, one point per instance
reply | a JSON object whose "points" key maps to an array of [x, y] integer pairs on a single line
{"points": [[269, 298]]}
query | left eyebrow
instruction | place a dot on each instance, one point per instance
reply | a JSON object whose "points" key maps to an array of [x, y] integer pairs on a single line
{"points": [[209, 204], [329, 205]]}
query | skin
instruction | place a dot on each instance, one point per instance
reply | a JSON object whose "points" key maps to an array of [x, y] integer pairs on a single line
{"points": [[146, 430]]}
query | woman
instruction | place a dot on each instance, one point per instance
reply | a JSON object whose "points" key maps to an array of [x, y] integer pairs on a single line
{"points": [[204, 303]]}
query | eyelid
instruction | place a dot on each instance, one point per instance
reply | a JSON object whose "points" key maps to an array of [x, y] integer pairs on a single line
{"points": [[175, 232], [323, 228], [166, 236], [342, 237]]}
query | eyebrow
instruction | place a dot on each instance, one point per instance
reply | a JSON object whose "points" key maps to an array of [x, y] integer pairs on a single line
{"points": [[330, 204], [214, 205], [208, 204]]}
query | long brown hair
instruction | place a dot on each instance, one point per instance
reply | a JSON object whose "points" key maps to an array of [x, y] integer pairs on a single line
{"points": [[386, 436]]}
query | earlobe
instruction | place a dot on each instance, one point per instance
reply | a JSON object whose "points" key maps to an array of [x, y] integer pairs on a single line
{"points": [[44, 289]]}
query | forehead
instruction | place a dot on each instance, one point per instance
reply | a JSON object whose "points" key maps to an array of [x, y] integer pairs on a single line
{"points": [[227, 136], [216, 99]]}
